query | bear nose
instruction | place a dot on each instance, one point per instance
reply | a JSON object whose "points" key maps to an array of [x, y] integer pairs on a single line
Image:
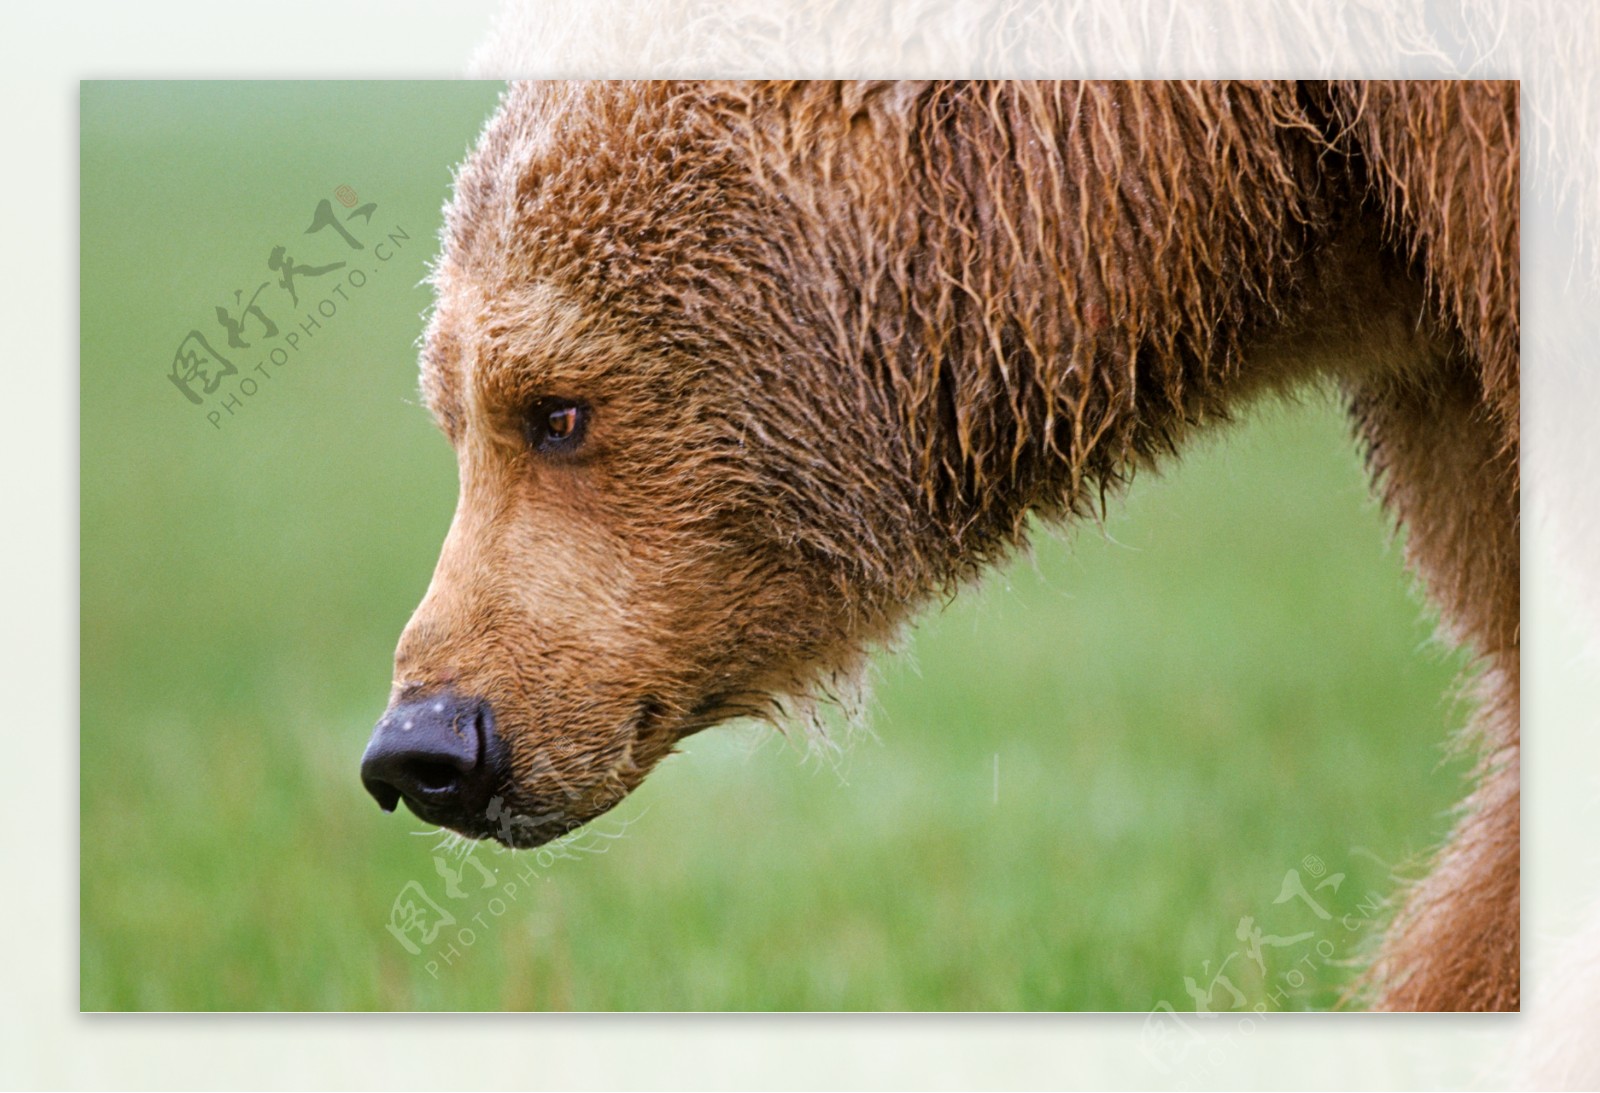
{"points": [[438, 754]]}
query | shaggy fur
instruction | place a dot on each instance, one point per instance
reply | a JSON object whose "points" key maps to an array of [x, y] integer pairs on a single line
{"points": [[840, 341]]}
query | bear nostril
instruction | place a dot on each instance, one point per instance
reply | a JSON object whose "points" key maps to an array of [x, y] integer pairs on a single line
{"points": [[431, 754], [433, 777]]}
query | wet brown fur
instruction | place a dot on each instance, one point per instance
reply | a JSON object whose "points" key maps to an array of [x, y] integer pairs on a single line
{"points": [[841, 341]]}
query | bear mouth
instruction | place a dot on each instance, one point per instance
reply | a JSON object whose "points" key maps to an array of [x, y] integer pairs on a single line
{"points": [[520, 819], [513, 820]]}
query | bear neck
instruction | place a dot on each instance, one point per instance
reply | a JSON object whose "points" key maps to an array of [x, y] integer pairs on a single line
{"points": [[1084, 274]]}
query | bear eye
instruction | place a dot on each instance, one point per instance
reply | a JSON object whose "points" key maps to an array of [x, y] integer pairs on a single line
{"points": [[556, 424]]}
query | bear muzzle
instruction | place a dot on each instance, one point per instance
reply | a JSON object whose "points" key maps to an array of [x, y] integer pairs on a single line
{"points": [[442, 756]]}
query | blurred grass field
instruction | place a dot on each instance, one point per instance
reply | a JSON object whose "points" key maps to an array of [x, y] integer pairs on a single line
{"points": [[1081, 776]]}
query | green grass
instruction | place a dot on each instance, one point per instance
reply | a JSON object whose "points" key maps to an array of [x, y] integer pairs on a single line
{"points": [[1080, 776]]}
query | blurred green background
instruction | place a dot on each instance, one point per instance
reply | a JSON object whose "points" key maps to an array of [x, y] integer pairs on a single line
{"points": [[1081, 777]]}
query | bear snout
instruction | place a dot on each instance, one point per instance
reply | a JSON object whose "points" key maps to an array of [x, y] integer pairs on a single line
{"points": [[442, 756]]}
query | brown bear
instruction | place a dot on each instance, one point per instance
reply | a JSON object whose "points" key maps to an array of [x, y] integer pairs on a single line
{"points": [[740, 375]]}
